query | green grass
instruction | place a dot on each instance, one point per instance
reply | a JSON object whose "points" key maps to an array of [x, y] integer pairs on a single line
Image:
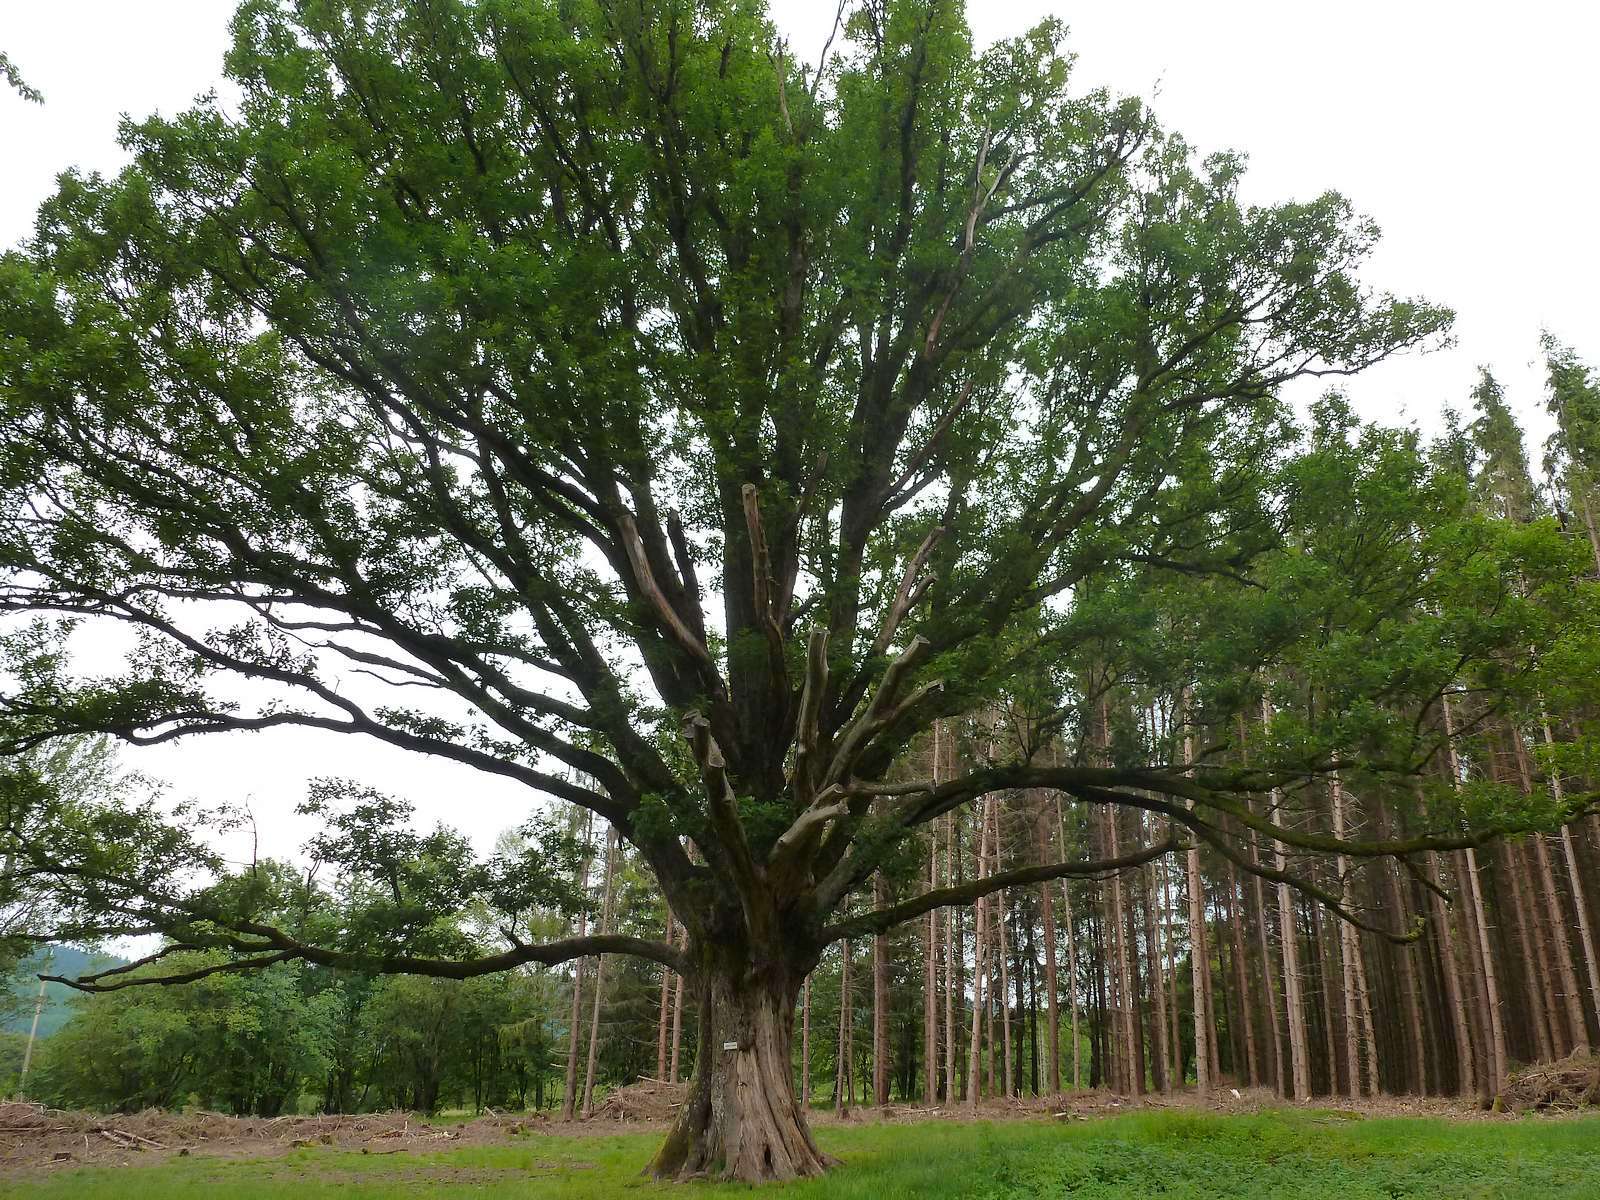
{"points": [[1300, 1155]]}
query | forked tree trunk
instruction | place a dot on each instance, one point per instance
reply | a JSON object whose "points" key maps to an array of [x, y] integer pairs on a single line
{"points": [[741, 1120]]}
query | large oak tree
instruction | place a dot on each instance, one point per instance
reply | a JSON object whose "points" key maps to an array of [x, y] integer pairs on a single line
{"points": [[668, 424]]}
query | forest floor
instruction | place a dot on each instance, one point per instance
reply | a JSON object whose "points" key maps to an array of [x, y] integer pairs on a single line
{"points": [[1181, 1150]]}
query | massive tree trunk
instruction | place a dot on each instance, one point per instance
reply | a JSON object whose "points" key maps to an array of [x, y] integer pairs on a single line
{"points": [[741, 1119]]}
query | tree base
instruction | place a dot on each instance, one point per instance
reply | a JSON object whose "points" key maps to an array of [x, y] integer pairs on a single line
{"points": [[741, 1120]]}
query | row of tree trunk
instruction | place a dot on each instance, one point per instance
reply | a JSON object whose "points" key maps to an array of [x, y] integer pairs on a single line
{"points": [[1190, 972]]}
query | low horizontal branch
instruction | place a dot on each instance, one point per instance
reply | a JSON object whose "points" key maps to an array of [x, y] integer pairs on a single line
{"points": [[285, 948]]}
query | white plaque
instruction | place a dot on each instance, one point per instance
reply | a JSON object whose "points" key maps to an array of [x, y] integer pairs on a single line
{"points": [[730, 1045]]}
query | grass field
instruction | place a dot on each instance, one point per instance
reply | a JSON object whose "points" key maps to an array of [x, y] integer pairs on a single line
{"points": [[1310, 1155]]}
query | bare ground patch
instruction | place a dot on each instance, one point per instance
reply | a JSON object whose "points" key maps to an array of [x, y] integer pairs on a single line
{"points": [[32, 1135]]}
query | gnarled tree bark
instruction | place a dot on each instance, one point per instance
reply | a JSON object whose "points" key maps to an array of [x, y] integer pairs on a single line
{"points": [[741, 1119]]}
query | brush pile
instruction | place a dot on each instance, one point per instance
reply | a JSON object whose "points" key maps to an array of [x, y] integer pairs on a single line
{"points": [[1571, 1083], [646, 1100]]}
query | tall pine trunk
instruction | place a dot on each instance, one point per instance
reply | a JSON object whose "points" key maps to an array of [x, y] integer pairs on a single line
{"points": [[1491, 984], [1349, 951], [1455, 999], [930, 986], [1289, 947], [843, 1082], [1158, 982], [1001, 910], [569, 1099], [979, 935], [1580, 900], [1072, 959], [1052, 997], [952, 974], [1199, 959], [600, 975], [663, 1018], [1241, 971], [880, 1002]]}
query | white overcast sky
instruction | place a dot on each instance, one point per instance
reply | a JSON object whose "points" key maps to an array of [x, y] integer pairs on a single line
{"points": [[1466, 129]]}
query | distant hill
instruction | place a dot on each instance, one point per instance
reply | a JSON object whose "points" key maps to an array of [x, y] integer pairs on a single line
{"points": [[16, 1009]]}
